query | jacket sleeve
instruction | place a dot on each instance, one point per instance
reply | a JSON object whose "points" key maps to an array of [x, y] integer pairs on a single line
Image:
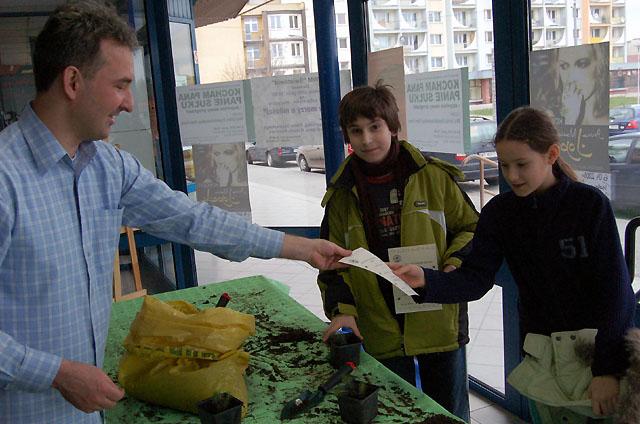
{"points": [[477, 274], [616, 309], [336, 294], [461, 218]]}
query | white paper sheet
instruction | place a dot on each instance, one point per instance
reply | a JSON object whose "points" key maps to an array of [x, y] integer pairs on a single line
{"points": [[364, 259]]}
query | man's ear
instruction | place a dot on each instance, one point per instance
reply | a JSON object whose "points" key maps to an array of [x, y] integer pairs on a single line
{"points": [[71, 81], [553, 154]]}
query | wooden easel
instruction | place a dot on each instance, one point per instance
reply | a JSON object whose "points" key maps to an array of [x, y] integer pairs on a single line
{"points": [[117, 282]]}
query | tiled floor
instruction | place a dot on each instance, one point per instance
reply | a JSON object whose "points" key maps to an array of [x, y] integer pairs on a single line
{"points": [[301, 278]]}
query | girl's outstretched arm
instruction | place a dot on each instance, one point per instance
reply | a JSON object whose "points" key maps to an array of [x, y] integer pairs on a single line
{"points": [[413, 275]]}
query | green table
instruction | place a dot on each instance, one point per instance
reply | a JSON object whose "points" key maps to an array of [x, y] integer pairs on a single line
{"points": [[287, 356]]}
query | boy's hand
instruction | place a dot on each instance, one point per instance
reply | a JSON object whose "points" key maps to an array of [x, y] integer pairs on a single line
{"points": [[603, 393], [338, 321], [410, 274]]}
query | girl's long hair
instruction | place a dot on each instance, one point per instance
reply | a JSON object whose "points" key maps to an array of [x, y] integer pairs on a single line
{"points": [[535, 128]]}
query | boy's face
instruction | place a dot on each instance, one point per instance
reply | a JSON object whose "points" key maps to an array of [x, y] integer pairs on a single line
{"points": [[370, 139]]}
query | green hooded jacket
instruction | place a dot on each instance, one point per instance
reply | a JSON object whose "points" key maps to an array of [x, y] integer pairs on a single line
{"points": [[434, 211]]}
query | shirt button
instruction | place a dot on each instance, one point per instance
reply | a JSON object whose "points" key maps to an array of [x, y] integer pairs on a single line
{"points": [[558, 338]]}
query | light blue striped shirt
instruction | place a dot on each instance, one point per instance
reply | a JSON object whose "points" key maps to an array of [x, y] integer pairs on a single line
{"points": [[59, 228]]}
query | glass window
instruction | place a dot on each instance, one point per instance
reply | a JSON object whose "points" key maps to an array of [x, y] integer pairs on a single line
{"points": [[435, 38], [341, 18], [182, 53], [342, 43], [488, 14], [276, 50], [435, 16], [294, 22], [437, 61], [250, 24], [296, 49], [275, 22]]}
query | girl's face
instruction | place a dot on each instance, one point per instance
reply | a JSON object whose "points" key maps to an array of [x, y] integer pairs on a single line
{"points": [[370, 139], [577, 71], [526, 170]]}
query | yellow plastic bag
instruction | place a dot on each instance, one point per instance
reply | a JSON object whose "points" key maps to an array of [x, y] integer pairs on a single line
{"points": [[178, 355]]}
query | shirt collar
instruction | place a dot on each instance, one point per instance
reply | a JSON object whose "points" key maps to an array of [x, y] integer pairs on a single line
{"points": [[45, 147]]}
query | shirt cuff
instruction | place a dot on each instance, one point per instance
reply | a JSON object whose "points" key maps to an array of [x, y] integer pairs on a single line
{"points": [[36, 371], [268, 244]]}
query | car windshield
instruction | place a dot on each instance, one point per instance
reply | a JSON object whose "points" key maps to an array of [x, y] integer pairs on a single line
{"points": [[482, 132], [621, 114], [618, 150]]}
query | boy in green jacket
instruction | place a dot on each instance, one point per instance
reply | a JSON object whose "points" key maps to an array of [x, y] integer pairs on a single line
{"points": [[388, 198]]}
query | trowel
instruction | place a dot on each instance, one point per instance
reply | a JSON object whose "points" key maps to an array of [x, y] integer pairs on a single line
{"points": [[308, 399]]}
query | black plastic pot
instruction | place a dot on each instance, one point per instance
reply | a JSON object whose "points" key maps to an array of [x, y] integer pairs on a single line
{"points": [[344, 347], [358, 403], [221, 408]]}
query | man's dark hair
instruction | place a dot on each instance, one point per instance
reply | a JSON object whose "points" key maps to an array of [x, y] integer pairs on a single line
{"points": [[371, 103], [72, 36]]}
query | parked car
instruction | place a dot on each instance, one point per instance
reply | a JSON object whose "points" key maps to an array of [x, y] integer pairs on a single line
{"points": [[624, 160], [482, 132], [272, 156], [623, 120], [312, 157]]}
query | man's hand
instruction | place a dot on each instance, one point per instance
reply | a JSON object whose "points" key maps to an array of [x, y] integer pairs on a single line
{"points": [[410, 274], [86, 387], [603, 393], [318, 253], [339, 321]]}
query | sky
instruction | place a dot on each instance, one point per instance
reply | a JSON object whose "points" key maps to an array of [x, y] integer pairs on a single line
{"points": [[632, 19]]}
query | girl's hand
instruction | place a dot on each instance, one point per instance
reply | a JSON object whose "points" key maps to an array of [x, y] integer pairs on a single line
{"points": [[449, 268], [410, 274], [603, 393], [338, 321]]}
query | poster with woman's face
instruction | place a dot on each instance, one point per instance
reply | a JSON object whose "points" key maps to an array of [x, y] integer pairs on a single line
{"points": [[221, 176], [572, 83]]}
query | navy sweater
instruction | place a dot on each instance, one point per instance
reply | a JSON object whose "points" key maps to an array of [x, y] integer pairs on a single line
{"points": [[564, 252]]}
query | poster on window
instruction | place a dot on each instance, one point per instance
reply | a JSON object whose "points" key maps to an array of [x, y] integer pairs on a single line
{"points": [[221, 175], [212, 113], [572, 84], [388, 66], [438, 110], [286, 109]]}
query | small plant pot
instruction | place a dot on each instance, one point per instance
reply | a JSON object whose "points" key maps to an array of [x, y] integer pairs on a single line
{"points": [[344, 347], [221, 408], [358, 403]]}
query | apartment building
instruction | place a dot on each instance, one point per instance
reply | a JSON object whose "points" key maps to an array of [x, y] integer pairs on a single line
{"points": [[438, 34], [264, 40], [560, 23]]}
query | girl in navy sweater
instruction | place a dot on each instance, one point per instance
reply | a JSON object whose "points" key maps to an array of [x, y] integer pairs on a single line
{"points": [[560, 240]]}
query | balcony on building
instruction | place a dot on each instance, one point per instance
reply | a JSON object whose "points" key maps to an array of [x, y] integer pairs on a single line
{"points": [[464, 4], [555, 37], [408, 4], [414, 43], [463, 21], [537, 40], [465, 42], [466, 60], [383, 4], [413, 21], [555, 16]]}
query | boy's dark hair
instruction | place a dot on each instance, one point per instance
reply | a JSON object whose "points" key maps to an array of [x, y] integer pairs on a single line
{"points": [[71, 37], [535, 128], [370, 102]]}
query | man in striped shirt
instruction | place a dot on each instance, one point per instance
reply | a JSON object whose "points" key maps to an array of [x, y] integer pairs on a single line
{"points": [[63, 198]]}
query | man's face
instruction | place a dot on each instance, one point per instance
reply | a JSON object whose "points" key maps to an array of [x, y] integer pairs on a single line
{"points": [[106, 93]]}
